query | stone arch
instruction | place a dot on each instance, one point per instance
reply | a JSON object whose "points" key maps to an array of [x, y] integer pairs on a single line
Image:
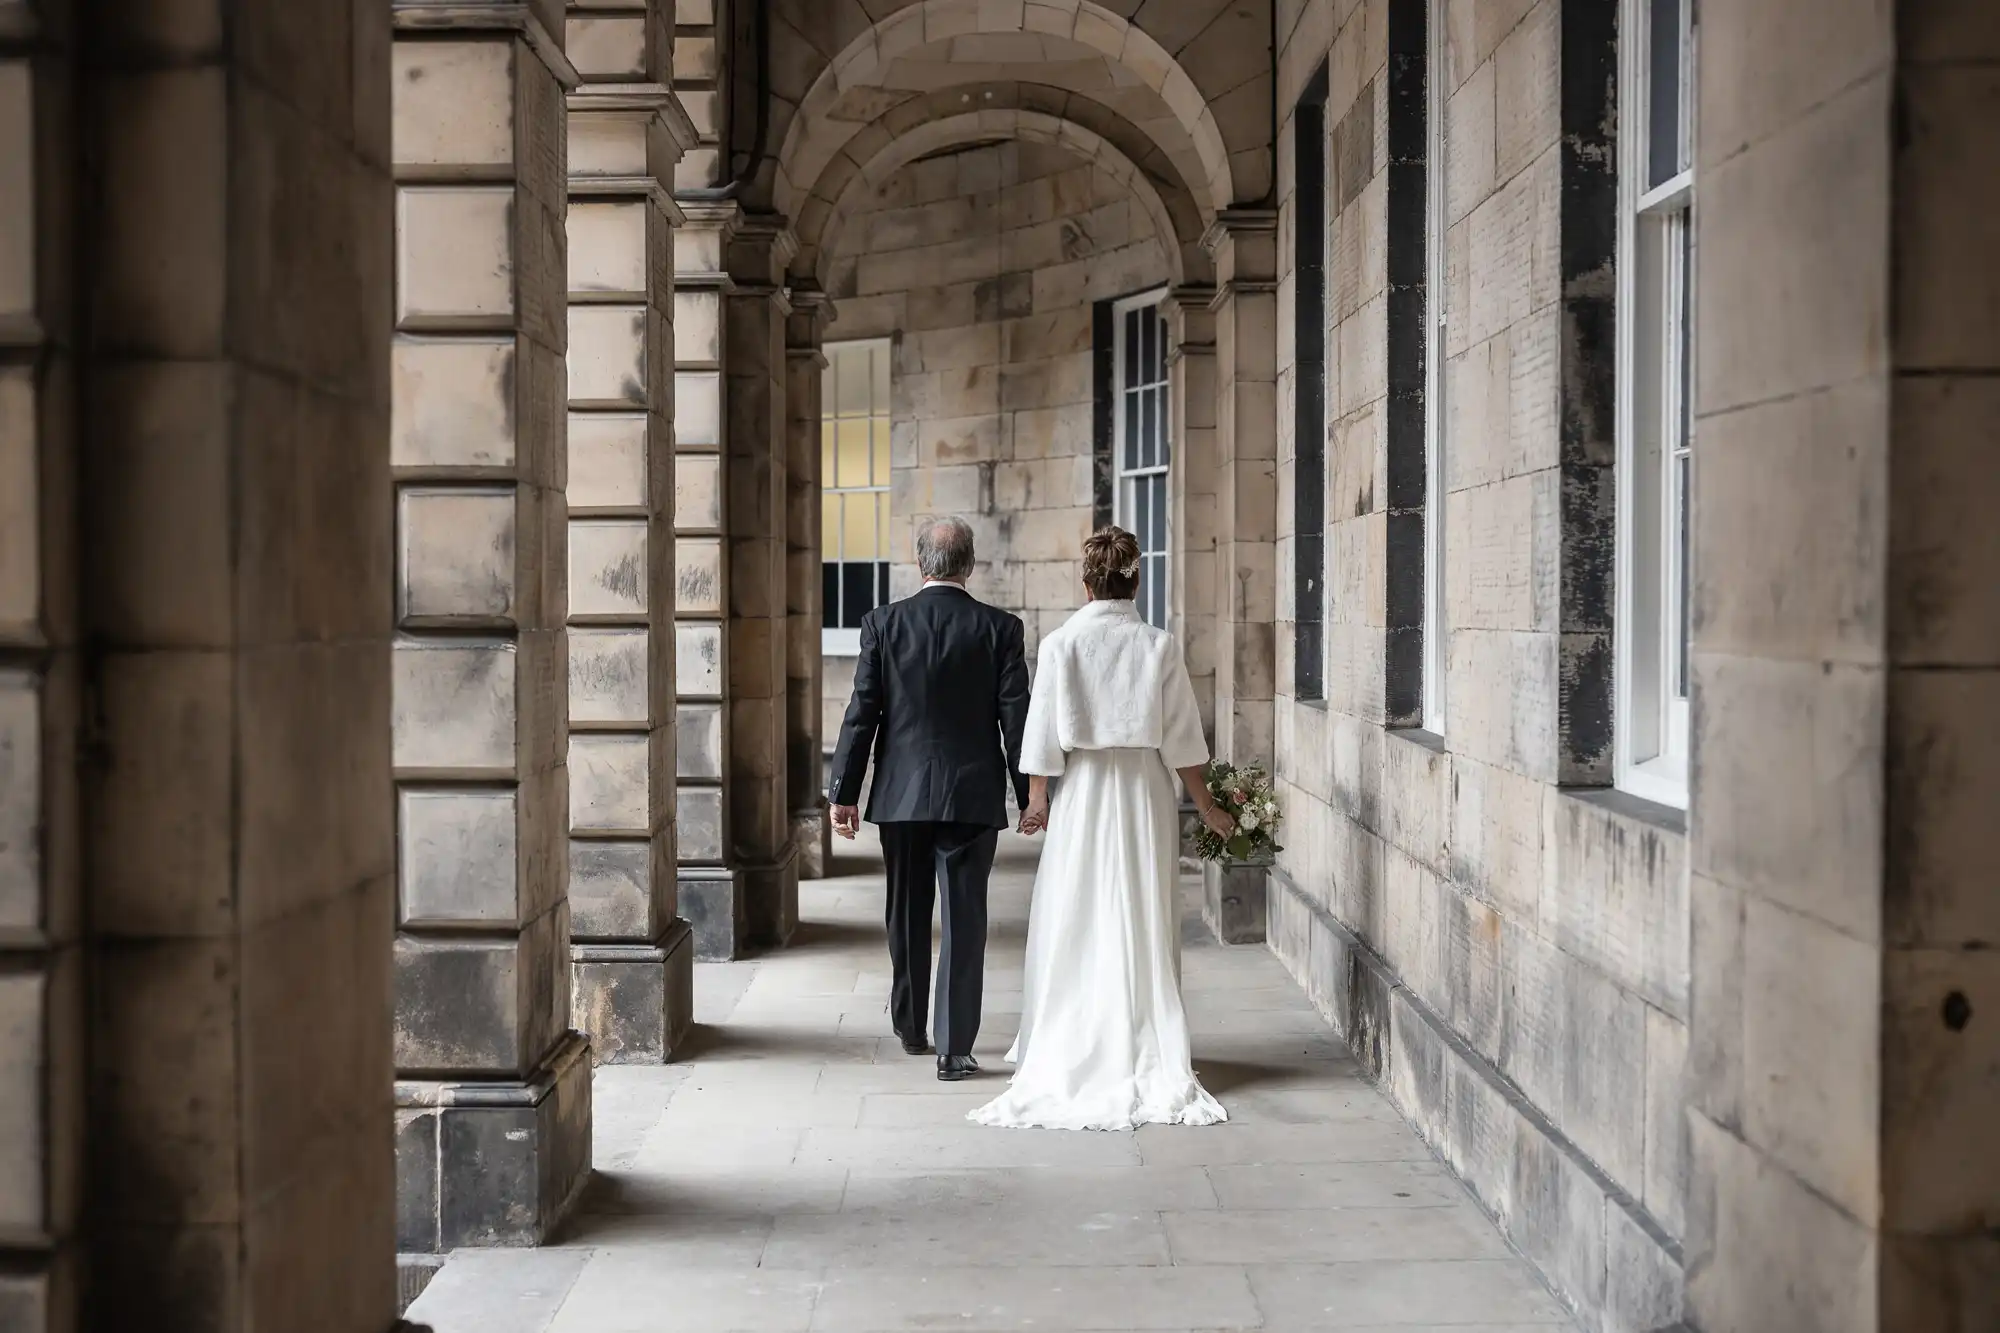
{"points": [[816, 133], [946, 122]]}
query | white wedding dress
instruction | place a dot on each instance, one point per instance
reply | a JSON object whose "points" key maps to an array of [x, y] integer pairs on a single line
{"points": [[1104, 1037]]}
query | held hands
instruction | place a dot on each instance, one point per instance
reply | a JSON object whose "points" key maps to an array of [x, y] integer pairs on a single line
{"points": [[1035, 818], [847, 820]]}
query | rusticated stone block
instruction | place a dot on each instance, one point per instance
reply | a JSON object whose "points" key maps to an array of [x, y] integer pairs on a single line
{"points": [[698, 819], [697, 493], [699, 663], [698, 576], [607, 568], [610, 891], [454, 402], [607, 460], [460, 857], [455, 256], [608, 676], [608, 355], [454, 103], [454, 706], [455, 555], [458, 1003], [698, 746], [608, 787]]}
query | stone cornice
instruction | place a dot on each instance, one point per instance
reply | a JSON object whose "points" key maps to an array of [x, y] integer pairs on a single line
{"points": [[654, 97], [628, 187], [432, 16], [812, 311]]}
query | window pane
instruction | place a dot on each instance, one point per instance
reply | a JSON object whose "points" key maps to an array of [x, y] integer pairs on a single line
{"points": [[1159, 348], [1150, 339], [826, 453], [1663, 121], [881, 582], [829, 595], [1141, 496], [858, 524], [1146, 428], [829, 525], [857, 592], [1685, 611], [880, 381], [1157, 540], [1131, 367], [851, 381], [881, 428], [882, 551], [853, 447], [1127, 402]]}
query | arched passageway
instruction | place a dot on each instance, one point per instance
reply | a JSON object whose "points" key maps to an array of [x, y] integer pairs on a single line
{"points": [[800, 1172]]}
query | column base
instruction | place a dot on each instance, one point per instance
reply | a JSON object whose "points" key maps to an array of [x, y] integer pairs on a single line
{"points": [[634, 1001], [492, 1162], [1234, 900], [812, 835], [737, 911], [772, 894], [711, 898]]}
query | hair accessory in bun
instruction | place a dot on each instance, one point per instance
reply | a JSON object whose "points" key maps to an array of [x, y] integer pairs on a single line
{"points": [[1129, 570]]}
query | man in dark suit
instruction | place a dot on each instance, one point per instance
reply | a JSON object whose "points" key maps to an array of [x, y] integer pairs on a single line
{"points": [[940, 699]]}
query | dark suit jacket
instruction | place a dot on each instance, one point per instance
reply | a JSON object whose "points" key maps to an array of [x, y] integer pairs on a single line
{"points": [[941, 698]]}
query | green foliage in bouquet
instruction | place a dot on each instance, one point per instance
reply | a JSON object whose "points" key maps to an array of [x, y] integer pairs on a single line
{"points": [[1251, 798]]}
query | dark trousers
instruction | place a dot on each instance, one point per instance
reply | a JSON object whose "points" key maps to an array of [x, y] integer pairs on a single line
{"points": [[920, 857]]}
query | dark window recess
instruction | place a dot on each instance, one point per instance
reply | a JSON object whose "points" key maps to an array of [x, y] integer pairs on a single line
{"points": [[1406, 246], [1103, 410], [1309, 236], [850, 589]]}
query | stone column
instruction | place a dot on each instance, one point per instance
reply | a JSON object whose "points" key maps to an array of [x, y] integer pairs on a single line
{"points": [[739, 872], [43, 1069], [632, 955], [1191, 486], [1244, 244], [194, 682], [805, 363], [493, 1091], [710, 885], [1845, 992], [760, 806]]}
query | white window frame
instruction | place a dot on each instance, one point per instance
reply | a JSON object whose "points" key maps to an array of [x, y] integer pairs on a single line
{"points": [[1655, 425], [1155, 563], [847, 642], [1436, 320]]}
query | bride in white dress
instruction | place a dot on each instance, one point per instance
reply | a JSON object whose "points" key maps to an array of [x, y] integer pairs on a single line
{"points": [[1104, 1037]]}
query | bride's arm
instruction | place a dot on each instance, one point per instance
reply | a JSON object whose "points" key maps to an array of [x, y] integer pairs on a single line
{"points": [[1213, 815], [1035, 815]]}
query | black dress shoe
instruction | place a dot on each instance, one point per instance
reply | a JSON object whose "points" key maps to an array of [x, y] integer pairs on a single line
{"points": [[915, 1045], [952, 1068]]}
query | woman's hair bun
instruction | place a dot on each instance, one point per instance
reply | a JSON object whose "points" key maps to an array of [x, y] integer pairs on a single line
{"points": [[1111, 562]]}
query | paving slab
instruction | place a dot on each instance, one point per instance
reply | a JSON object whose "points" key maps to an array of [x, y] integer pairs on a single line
{"points": [[797, 1171]]}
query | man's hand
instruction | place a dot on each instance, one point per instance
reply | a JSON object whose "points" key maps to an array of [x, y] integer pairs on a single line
{"points": [[847, 820], [1035, 818]]}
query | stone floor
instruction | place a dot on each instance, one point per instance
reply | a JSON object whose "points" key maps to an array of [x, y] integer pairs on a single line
{"points": [[797, 1171]]}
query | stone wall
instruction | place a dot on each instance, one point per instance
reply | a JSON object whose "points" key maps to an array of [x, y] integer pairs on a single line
{"points": [[1509, 953], [983, 265]]}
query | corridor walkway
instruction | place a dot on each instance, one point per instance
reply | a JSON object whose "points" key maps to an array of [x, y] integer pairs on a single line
{"points": [[797, 1171]]}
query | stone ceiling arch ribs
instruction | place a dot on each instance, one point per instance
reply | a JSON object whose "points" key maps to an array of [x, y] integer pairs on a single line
{"points": [[813, 136], [827, 212]]}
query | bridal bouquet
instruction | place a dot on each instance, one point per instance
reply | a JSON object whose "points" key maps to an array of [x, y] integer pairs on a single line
{"points": [[1249, 796]]}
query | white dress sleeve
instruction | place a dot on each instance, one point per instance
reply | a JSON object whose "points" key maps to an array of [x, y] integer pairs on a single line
{"points": [[1181, 742], [1041, 740]]}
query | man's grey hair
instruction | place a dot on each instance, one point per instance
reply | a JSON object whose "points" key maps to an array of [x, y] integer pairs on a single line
{"points": [[944, 549]]}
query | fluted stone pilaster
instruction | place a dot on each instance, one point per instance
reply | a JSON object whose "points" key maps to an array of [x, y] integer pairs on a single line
{"points": [[493, 1092], [633, 955]]}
